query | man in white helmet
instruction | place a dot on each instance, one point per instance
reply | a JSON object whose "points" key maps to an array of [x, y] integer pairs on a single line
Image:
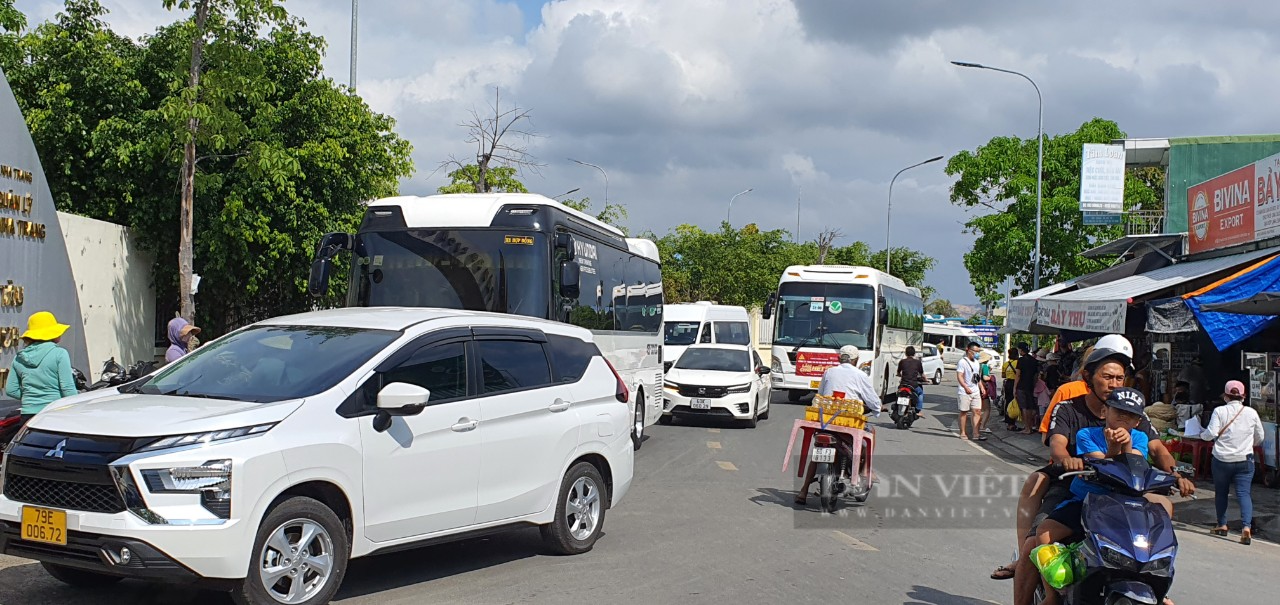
{"points": [[855, 384]]}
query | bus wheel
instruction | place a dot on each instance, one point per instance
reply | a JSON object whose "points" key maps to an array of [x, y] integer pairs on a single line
{"points": [[637, 432]]}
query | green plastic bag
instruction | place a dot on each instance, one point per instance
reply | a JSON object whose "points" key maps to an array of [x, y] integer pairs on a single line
{"points": [[1059, 565]]}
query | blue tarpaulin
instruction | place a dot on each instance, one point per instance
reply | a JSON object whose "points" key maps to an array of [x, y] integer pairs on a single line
{"points": [[1226, 329]]}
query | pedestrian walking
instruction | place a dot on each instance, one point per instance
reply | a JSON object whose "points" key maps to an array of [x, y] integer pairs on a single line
{"points": [[968, 393], [41, 372], [1010, 379], [1235, 430], [1028, 371], [989, 394], [180, 334]]}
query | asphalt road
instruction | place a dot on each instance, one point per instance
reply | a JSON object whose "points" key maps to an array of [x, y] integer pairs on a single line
{"points": [[710, 519]]}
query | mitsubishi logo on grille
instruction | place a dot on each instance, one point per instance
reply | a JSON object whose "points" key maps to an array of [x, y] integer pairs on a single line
{"points": [[57, 450]]}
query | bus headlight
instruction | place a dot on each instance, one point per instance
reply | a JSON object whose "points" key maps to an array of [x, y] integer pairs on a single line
{"points": [[776, 366]]}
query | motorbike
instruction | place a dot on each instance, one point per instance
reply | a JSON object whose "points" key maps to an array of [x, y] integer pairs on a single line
{"points": [[1129, 547], [113, 374], [903, 412], [832, 452]]}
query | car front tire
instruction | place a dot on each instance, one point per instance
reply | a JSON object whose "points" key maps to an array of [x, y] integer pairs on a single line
{"points": [[299, 557], [937, 377], [580, 512]]}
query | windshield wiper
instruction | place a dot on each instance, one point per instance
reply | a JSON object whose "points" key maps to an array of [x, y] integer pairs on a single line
{"points": [[820, 332], [204, 396]]}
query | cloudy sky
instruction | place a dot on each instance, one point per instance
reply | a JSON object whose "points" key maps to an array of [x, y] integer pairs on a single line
{"points": [[686, 102]]}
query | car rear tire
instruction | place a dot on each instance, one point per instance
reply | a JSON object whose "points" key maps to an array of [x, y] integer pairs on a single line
{"points": [[79, 578], [300, 543], [937, 377], [580, 512]]}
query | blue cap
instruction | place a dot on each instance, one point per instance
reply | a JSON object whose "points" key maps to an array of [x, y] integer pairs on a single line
{"points": [[1127, 399]]}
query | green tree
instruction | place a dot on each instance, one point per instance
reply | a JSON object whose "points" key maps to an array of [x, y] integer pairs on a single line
{"points": [[306, 153], [1000, 176], [12, 22], [498, 179], [501, 143], [941, 306]]}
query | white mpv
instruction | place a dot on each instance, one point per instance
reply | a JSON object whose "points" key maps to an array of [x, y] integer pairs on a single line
{"points": [[267, 459]]}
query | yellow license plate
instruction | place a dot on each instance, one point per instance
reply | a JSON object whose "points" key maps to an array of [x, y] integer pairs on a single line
{"points": [[44, 525], [813, 384]]}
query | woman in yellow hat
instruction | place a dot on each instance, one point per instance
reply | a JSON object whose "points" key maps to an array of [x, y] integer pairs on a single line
{"points": [[41, 372]]}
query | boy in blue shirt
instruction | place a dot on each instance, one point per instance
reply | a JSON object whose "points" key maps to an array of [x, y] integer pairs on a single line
{"points": [[1120, 436]]}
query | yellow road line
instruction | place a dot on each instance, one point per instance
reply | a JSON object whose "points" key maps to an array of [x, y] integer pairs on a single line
{"points": [[715, 445], [713, 430], [728, 466], [853, 542]]}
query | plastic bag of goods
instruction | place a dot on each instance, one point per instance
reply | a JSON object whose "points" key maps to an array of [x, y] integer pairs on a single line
{"points": [[1059, 565]]}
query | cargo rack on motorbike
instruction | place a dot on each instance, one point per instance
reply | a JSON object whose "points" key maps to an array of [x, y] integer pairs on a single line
{"points": [[836, 411]]}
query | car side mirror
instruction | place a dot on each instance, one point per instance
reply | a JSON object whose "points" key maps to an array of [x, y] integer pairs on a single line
{"points": [[767, 311], [399, 399], [763, 370], [570, 276]]}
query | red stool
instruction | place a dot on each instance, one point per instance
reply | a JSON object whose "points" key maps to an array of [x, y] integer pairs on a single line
{"points": [[1201, 455]]}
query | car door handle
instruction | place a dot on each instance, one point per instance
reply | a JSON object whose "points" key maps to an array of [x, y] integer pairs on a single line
{"points": [[559, 406], [464, 425]]}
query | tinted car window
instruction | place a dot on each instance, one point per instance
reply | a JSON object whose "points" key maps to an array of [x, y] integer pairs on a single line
{"points": [[719, 360], [570, 357], [511, 365], [732, 333], [441, 369]]}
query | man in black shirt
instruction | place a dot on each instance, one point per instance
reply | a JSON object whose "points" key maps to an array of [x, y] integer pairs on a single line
{"points": [[1104, 370], [911, 370], [1028, 370]]}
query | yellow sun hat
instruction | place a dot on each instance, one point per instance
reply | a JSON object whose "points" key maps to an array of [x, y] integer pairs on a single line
{"points": [[44, 326]]}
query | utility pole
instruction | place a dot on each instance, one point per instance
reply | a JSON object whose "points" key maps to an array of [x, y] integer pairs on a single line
{"points": [[355, 14], [796, 237]]}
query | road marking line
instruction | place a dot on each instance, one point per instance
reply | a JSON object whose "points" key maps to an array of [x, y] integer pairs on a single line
{"points": [[728, 466], [715, 445], [713, 430], [853, 542]]}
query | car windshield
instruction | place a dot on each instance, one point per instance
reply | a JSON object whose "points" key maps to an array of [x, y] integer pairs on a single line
{"points": [[825, 315], [680, 333], [472, 269], [270, 363], [717, 360]]}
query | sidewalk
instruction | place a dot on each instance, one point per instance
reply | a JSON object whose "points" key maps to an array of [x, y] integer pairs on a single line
{"points": [[1199, 514]]}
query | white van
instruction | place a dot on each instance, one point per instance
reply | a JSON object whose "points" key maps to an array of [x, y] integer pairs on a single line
{"points": [[952, 339], [701, 322]]}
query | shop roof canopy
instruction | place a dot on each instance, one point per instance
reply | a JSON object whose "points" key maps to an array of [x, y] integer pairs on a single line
{"points": [[1103, 308], [1262, 303], [1138, 244]]}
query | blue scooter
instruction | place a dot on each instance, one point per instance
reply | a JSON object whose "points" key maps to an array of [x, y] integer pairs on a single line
{"points": [[1129, 546]]}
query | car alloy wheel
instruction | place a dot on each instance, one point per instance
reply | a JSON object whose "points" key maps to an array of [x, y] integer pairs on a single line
{"points": [[582, 508], [296, 562]]}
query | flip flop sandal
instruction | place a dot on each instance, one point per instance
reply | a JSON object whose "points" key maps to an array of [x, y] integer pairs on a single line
{"points": [[1004, 572], [1218, 531], [982, 438]]}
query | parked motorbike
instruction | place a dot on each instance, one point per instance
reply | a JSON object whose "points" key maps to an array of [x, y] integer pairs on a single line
{"points": [[904, 412], [10, 421], [1129, 547], [832, 452]]}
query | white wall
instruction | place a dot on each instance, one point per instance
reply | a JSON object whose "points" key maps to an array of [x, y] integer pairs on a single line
{"points": [[117, 295]]}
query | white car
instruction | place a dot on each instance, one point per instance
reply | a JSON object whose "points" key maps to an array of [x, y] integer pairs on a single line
{"points": [[265, 460], [717, 381], [931, 359]]}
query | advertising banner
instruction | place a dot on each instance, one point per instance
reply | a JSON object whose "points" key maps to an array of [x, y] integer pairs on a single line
{"points": [[1238, 207], [814, 365], [1106, 317], [1021, 314], [1102, 178]]}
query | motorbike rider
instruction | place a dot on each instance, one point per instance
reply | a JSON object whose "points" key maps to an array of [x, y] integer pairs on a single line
{"points": [[1104, 370], [844, 378], [911, 371]]}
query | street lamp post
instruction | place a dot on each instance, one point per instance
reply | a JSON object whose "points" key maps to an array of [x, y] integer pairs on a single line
{"points": [[355, 12], [735, 196], [565, 193], [606, 177], [1039, 155], [889, 212]]}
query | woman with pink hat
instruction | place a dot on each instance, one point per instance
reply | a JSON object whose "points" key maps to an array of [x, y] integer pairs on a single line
{"points": [[42, 370], [1235, 430]]}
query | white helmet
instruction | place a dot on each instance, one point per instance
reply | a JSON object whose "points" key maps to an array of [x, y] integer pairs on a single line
{"points": [[849, 353], [1111, 345]]}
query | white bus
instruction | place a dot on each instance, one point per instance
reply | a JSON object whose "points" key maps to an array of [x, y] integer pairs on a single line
{"points": [[820, 308], [952, 339], [513, 253]]}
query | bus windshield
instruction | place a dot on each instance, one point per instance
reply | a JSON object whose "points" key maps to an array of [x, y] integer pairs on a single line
{"points": [[472, 269], [825, 315]]}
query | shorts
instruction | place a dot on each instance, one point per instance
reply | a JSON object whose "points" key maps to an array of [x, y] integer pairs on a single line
{"points": [[969, 402], [1059, 491], [1068, 514]]}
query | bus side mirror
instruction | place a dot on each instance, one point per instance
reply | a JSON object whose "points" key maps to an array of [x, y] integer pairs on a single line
{"points": [[318, 282], [564, 241], [570, 275], [884, 309], [767, 311]]}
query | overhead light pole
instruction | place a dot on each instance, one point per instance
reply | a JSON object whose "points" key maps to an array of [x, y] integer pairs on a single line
{"points": [[606, 177], [735, 196], [355, 12], [1039, 156], [557, 197], [888, 214]]}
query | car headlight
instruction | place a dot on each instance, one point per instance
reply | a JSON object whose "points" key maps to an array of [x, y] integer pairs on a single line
{"points": [[165, 443], [670, 386], [212, 480], [742, 388]]}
